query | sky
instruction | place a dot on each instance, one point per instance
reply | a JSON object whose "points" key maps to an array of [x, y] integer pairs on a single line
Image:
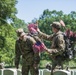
{"points": [[30, 9]]}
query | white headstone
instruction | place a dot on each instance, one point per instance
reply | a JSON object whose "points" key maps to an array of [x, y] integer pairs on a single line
{"points": [[59, 72], [18, 72], [8, 71], [0, 72], [62, 72], [73, 72], [46, 72], [40, 71]]}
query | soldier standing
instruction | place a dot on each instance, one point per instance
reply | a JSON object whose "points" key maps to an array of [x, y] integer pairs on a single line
{"points": [[57, 46], [23, 47], [39, 46]]}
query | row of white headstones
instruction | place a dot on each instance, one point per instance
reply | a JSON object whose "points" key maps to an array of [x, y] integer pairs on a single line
{"points": [[13, 71]]}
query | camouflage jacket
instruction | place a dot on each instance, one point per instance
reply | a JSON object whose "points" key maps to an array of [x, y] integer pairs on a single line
{"points": [[58, 42], [25, 49]]}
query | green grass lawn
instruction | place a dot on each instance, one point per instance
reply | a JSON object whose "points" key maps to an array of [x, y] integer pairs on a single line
{"points": [[71, 63], [43, 63]]}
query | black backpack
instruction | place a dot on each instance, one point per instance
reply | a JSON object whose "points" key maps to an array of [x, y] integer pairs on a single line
{"points": [[69, 52]]}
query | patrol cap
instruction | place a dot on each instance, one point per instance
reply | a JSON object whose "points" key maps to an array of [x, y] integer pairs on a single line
{"points": [[56, 25], [20, 32]]}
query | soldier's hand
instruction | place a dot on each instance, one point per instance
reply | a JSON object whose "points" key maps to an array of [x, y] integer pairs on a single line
{"points": [[50, 51]]}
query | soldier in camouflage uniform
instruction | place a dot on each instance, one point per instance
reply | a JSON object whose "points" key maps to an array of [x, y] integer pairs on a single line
{"points": [[23, 47], [57, 46]]}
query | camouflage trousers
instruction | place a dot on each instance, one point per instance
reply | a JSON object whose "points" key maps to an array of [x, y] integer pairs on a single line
{"points": [[31, 66], [27, 68], [36, 64], [58, 60]]}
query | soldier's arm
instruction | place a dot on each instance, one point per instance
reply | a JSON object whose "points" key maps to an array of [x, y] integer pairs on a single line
{"points": [[17, 54], [44, 36], [51, 51], [61, 43], [32, 40], [60, 48]]}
